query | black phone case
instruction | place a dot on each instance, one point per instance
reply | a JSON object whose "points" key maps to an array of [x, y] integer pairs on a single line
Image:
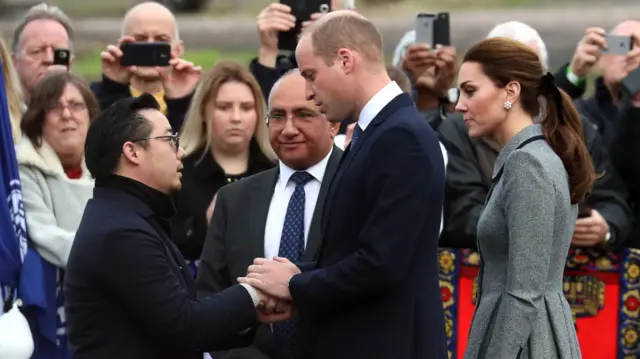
{"points": [[147, 54], [61, 57], [302, 10], [441, 30]]}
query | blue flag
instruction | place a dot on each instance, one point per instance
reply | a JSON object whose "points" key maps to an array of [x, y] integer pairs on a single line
{"points": [[13, 229], [23, 272]]}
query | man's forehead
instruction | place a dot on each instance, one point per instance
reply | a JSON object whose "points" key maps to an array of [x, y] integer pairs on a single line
{"points": [[151, 22], [290, 94], [627, 27], [46, 30]]}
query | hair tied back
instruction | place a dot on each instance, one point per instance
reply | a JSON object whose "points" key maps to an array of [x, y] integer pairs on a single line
{"points": [[548, 89]]}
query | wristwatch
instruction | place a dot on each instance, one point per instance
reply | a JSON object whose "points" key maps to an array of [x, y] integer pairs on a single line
{"points": [[607, 237]]}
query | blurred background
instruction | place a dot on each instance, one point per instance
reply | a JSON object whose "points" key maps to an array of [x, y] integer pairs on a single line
{"points": [[226, 29]]}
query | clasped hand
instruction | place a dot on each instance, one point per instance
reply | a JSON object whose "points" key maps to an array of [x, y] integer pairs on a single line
{"points": [[271, 278]]}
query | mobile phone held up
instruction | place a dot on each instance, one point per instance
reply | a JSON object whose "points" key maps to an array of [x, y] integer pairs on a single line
{"points": [[301, 10], [62, 57], [145, 54], [433, 29], [617, 44]]}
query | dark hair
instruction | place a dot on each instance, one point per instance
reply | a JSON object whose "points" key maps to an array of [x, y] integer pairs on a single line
{"points": [[505, 60], [400, 77], [117, 124], [46, 96]]}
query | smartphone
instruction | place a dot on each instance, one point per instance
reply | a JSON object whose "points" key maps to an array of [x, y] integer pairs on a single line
{"points": [[441, 30], [424, 28], [618, 45], [61, 57], [302, 10], [147, 54]]}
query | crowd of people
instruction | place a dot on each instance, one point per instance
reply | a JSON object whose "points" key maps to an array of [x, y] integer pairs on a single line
{"points": [[306, 205]]}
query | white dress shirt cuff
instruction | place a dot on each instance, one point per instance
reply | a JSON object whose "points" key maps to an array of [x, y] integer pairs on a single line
{"points": [[255, 296]]}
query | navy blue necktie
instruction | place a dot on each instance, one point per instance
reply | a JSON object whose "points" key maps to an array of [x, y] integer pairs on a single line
{"points": [[292, 247], [357, 131]]}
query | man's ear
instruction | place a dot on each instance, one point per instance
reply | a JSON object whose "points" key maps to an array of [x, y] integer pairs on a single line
{"points": [[180, 48], [131, 152], [334, 129]]}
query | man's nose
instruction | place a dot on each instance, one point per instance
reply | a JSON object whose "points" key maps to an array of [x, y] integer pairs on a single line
{"points": [[48, 55], [289, 128], [309, 93]]}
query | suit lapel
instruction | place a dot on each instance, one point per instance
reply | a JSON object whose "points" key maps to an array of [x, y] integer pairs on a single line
{"points": [[315, 230], [259, 209], [399, 101]]}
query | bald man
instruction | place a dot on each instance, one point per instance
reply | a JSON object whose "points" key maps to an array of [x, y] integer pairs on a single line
{"points": [[171, 86], [373, 291]]}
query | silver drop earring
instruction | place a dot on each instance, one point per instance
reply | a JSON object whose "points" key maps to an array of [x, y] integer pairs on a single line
{"points": [[507, 105]]}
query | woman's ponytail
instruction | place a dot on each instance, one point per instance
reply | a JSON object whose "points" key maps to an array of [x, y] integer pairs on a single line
{"points": [[562, 127]]}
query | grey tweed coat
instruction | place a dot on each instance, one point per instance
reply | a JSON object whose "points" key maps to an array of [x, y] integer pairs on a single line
{"points": [[523, 235]]}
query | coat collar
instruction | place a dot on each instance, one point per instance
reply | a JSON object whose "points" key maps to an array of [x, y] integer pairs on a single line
{"points": [[44, 159], [514, 142]]}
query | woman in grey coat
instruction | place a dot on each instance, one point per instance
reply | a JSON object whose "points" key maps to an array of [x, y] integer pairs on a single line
{"points": [[524, 232]]}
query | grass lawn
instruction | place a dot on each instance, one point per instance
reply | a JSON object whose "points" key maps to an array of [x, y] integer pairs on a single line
{"points": [[87, 64]]}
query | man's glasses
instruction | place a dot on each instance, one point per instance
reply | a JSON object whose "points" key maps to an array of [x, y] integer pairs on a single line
{"points": [[174, 139], [279, 119]]}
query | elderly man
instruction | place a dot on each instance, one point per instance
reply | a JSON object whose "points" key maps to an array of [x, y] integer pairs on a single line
{"points": [[172, 87], [43, 28], [284, 205]]}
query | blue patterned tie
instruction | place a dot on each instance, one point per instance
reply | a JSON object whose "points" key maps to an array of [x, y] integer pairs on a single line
{"points": [[292, 248], [356, 134]]}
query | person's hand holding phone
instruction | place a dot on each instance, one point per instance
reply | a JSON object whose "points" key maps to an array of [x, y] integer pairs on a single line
{"points": [[273, 19], [438, 79], [588, 51], [111, 67], [180, 78], [417, 59]]}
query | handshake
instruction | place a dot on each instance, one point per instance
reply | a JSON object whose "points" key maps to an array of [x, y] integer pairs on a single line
{"points": [[271, 279]]}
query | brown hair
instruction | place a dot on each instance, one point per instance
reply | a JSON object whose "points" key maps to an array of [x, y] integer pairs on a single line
{"points": [[346, 29], [194, 132], [401, 78], [45, 97], [505, 60]]}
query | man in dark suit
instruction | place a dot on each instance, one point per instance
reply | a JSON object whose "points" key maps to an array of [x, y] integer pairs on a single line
{"points": [[129, 292], [374, 291], [250, 215]]}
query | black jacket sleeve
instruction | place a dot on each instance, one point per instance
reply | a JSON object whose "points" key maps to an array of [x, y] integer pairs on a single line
{"points": [[563, 82], [609, 195], [267, 76], [625, 150], [146, 286], [465, 190], [108, 91]]}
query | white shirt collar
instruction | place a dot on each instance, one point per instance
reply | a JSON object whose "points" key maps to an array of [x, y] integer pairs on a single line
{"points": [[377, 103], [317, 170]]}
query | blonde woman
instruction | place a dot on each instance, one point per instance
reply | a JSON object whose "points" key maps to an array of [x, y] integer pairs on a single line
{"points": [[14, 93], [225, 139]]}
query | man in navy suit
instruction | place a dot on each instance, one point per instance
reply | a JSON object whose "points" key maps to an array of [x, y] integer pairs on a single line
{"points": [[129, 292], [373, 291]]}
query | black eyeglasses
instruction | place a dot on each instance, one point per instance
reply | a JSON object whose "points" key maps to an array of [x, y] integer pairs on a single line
{"points": [[174, 139]]}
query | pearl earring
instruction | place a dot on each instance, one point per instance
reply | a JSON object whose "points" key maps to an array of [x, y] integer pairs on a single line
{"points": [[508, 105]]}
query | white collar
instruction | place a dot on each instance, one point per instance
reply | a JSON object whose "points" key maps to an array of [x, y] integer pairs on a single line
{"points": [[377, 103], [317, 170]]}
